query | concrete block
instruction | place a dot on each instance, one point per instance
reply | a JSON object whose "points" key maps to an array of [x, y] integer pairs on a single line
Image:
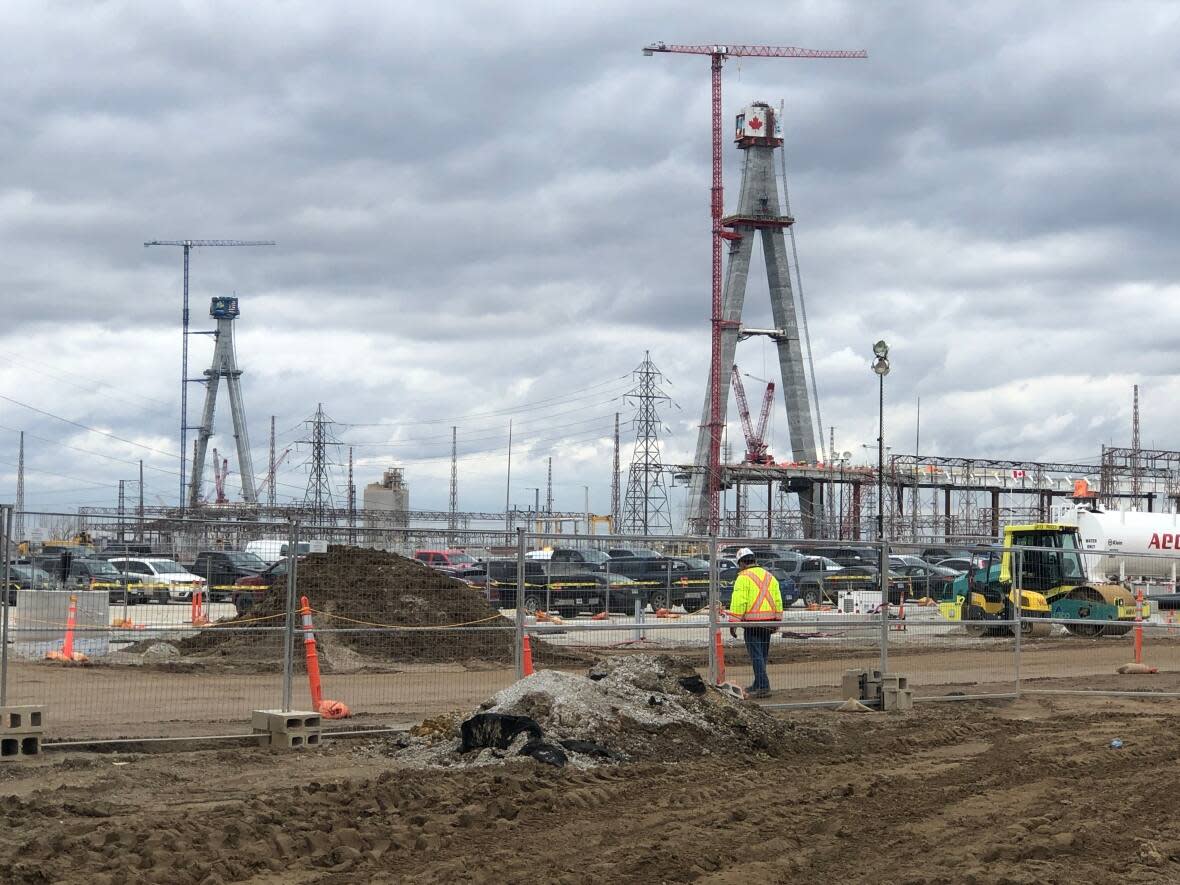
{"points": [[894, 700], [26, 719], [852, 685], [280, 722], [290, 740], [894, 681], [19, 746]]}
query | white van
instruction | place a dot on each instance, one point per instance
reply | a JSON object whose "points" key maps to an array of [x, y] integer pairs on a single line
{"points": [[273, 549]]}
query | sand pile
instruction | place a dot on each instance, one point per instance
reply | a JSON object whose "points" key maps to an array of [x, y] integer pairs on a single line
{"points": [[357, 589], [638, 707]]}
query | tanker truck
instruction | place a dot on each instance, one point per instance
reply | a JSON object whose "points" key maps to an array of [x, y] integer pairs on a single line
{"points": [[1122, 540]]}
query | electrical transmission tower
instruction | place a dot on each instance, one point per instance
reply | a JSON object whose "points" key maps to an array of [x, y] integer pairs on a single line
{"points": [[645, 507], [318, 498], [549, 489], [188, 245]]}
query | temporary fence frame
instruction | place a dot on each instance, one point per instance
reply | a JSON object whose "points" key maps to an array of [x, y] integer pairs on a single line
{"points": [[700, 632]]}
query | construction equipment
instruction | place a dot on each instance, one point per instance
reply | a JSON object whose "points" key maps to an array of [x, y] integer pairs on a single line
{"points": [[986, 594], [1053, 583], [756, 445], [220, 472], [185, 380], [717, 55], [1052, 565]]}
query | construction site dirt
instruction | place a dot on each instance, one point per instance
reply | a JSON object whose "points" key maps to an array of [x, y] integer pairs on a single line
{"points": [[1027, 791]]}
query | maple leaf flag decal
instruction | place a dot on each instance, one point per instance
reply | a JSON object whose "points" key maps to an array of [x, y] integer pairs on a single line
{"points": [[755, 124]]}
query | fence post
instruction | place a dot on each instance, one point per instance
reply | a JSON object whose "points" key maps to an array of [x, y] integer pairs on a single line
{"points": [[6, 522], [1017, 628], [884, 576], [714, 602], [289, 628], [518, 645]]}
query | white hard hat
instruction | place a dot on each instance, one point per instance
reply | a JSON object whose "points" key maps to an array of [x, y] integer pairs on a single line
{"points": [[744, 553]]}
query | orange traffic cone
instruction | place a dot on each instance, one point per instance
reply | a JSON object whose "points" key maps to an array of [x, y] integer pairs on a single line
{"points": [[197, 609], [327, 709], [526, 655], [719, 650], [67, 655]]}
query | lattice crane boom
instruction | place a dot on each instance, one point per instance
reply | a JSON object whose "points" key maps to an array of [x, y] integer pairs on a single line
{"points": [[756, 445], [764, 416], [742, 50], [717, 54]]}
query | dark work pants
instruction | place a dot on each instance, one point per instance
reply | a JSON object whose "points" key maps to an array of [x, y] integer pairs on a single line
{"points": [[758, 648]]}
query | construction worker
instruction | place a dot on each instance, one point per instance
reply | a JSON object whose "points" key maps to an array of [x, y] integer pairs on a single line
{"points": [[755, 598]]}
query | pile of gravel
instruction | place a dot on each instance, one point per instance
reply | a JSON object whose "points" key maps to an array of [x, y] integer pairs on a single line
{"points": [[636, 707]]}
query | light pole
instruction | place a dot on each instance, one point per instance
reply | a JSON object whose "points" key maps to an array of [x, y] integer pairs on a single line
{"points": [[881, 367]]}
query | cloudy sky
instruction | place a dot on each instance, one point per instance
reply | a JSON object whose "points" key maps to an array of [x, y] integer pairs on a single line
{"points": [[488, 211]]}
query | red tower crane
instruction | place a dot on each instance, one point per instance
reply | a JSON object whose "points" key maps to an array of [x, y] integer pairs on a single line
{"points": [[718, 54], [220, 472], [756, 444], [270, 474]]}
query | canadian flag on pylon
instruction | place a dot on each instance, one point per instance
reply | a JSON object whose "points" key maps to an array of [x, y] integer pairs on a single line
{"points": [[1018, 474]]}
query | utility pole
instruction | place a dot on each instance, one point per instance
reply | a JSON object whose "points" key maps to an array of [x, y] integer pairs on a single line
{"points": [[19, 525], [549, 489], [139, 509], [1136, 471], [351, 502], [614, 484], [714, 402], [453, 511], [508, 484], [122, 513], [645, 508], [188, 245], [270, 469]]}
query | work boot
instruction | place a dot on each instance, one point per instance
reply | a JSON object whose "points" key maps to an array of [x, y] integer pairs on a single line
{"points": [[760, 693]]}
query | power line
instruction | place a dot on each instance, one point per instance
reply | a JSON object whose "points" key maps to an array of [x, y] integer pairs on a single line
{"points": [[85, 427]]}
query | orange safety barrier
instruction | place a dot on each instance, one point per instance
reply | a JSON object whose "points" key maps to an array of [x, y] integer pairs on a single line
{"points": [[601, 616], [67, 655], [719, 649], [526, 655], [197, 615], [327, 709]]}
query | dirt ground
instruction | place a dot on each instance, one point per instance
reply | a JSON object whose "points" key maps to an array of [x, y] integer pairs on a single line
{"points": [[1026, 791]]}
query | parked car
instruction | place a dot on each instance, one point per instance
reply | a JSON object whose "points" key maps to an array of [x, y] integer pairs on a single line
{"points": [[808, 574], [959, 565], [27, 577], [222, 568], [633, 553], [248, 591], [667, 581], [100, 574], [763, 553], [586, 559], [567, 593], [164, 578], [273, 549], [458, 563], [845, 556], [924, 579], [937, 554]]}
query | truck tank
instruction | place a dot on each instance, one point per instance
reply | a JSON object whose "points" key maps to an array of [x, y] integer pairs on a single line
{"points": [[1126, 537]]}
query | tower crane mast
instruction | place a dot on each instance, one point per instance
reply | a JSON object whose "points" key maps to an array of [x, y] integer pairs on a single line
{"points": [[718, 53], [187, 246]]}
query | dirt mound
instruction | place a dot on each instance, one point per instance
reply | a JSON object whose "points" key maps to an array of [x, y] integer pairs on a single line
{"points": [[639, 707], [358, 590]]}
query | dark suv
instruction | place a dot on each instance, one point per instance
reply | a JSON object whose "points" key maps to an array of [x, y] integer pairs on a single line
{"points": [[221, 569], [846, 556]]}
